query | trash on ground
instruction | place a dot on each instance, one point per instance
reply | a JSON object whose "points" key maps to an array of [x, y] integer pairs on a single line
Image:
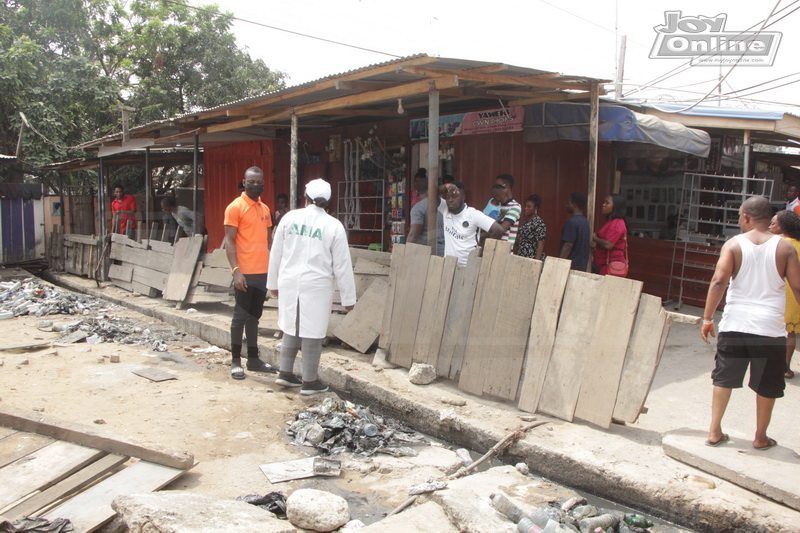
{"points": [[570, 515], [336, 426], [154, 374], [274, 502], [32, 297], [429, 486], [301, 468], [36, 525], [25, 347], [210, 349]]}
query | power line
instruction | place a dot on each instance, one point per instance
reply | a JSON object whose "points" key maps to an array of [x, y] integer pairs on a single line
{"points": [[232, 17], [688, 64]]}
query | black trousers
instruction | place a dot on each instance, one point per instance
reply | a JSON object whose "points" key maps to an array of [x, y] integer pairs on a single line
{"points": [[248, 309]]}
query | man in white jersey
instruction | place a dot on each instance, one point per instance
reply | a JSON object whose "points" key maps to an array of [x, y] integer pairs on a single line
{"points": [[462, 224], [751, 332]]}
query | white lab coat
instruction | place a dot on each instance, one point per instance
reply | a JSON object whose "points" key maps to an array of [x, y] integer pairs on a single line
{"points": [[309, 252]]}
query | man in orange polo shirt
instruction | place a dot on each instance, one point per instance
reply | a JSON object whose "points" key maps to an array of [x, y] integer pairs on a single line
{"points": [[247, 223]]}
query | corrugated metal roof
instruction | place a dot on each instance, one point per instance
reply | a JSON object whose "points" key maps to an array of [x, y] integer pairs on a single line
{"points": [[710, 111], [7, 156]]}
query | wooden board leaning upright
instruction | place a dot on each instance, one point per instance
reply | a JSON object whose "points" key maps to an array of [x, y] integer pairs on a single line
{"points": [[512, 324], [407, 303], [457, 319], [579, 313], [641, 361], [398, 250], [599, 381], [434, 310], [544, 322], [184, 263], [487, 305]]}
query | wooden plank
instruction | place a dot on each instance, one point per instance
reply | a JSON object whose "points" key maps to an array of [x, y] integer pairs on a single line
{"points": [[433, 314], [641, 361], [32, 346], [363, 281], [121, 272], [118, 238], [127, 285], [159, 246], [579, 312], [19, 444], [221, 277], [486, 307], [544, 322], [146, 258], [512, 326], [187, 253], [397, 258], [361, 327], [382, 258], [217, 259], [459, 313], [73, 483], [41, 424], [154, 374], [43, 468], [603, 366], [365, 266], [92, 508], [149, 277], [407, 303], [199, 294], [82, 239]]}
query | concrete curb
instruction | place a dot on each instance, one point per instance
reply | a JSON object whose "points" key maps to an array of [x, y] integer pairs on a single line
{"points": [[728, 508]]}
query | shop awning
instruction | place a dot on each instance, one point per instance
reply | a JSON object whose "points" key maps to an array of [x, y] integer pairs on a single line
{"points": [[553, 121]]}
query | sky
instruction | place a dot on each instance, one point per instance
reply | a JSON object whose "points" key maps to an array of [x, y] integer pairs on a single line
{"points": [[580, 37]]}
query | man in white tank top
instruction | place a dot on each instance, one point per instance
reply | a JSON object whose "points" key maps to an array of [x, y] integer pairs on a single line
{"points": [[752, 267]]}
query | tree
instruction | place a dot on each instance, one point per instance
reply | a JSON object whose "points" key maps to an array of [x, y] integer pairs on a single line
{"points": [[68, 64]]}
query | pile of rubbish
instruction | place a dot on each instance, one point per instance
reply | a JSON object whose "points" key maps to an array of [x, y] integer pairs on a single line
{"points": [[107, 328], [336, 426], [274, 502], [31, 297], [570, 516]]}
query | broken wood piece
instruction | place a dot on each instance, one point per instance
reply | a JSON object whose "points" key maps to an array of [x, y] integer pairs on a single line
{"points": [[25, 347], [75, 336], [154, 374], [683, 318], [22, 420], [301, 469]]}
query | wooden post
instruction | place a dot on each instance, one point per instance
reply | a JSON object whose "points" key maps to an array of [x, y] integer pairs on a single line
{"points": [[196, 156], [593, 134], [433, 166], [148, 183], [293, 166], [746, 161], [101, 198]]}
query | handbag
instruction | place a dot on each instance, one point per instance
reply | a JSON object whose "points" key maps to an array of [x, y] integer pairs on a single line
{"points": [[618, 268]]}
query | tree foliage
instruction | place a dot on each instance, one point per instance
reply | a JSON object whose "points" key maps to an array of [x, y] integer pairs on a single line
{"points": [[68, 65]]}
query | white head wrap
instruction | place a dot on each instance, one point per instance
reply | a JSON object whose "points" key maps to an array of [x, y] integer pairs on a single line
{"points": [[318, 188]]}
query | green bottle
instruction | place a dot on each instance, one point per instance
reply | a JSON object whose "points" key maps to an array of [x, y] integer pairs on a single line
{"points": [[638, 521]]}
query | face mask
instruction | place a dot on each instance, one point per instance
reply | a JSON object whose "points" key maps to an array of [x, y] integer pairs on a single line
{"points": [[254, 188]]}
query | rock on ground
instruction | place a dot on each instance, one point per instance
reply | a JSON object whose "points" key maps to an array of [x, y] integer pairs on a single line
{"points": [[185, 512], [317, 510], [422, 374], [426, 518]]}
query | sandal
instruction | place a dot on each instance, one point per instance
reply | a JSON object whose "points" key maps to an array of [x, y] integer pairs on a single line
{"points": [[771, 443], [788, 374], [715, 443], [237, 372]]}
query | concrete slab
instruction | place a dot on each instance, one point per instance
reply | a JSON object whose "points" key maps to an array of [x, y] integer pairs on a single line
{"points": [[419, 519], [774, 473]]}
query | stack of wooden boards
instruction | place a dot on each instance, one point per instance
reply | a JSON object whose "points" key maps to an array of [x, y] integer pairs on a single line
{"points": [[57, 470], [178, 272], [566, 343], [80, 253]]}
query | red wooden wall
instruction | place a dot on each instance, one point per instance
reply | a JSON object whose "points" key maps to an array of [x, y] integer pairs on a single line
{"points": [[224, 166]]}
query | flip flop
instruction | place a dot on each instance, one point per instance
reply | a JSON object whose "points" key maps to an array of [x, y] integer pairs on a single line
{"points": [[788, 374], [772, 444], [237, 372], [714, 443]]}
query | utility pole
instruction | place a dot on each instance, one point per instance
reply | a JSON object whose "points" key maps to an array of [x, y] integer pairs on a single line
{"points": [[620, 68]]}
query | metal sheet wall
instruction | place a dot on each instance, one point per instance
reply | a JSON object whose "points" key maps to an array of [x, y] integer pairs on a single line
{"points": [[224, 166], [21, 232]]}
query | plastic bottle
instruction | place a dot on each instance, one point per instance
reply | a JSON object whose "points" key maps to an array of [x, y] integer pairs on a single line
{"points": [[603, 521], [526, 526], [541, 518], [504, 506], [638, 521]]}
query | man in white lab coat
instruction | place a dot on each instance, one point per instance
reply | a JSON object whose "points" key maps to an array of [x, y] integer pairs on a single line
{"points": [[309, 252]]}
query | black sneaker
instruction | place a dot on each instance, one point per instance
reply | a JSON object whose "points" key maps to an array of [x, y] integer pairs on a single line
{"points": [[313, 387], [257, 365], [287, 379]]}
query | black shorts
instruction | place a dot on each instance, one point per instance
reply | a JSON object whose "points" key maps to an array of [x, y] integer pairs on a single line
{"points": [[766, 357]]}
